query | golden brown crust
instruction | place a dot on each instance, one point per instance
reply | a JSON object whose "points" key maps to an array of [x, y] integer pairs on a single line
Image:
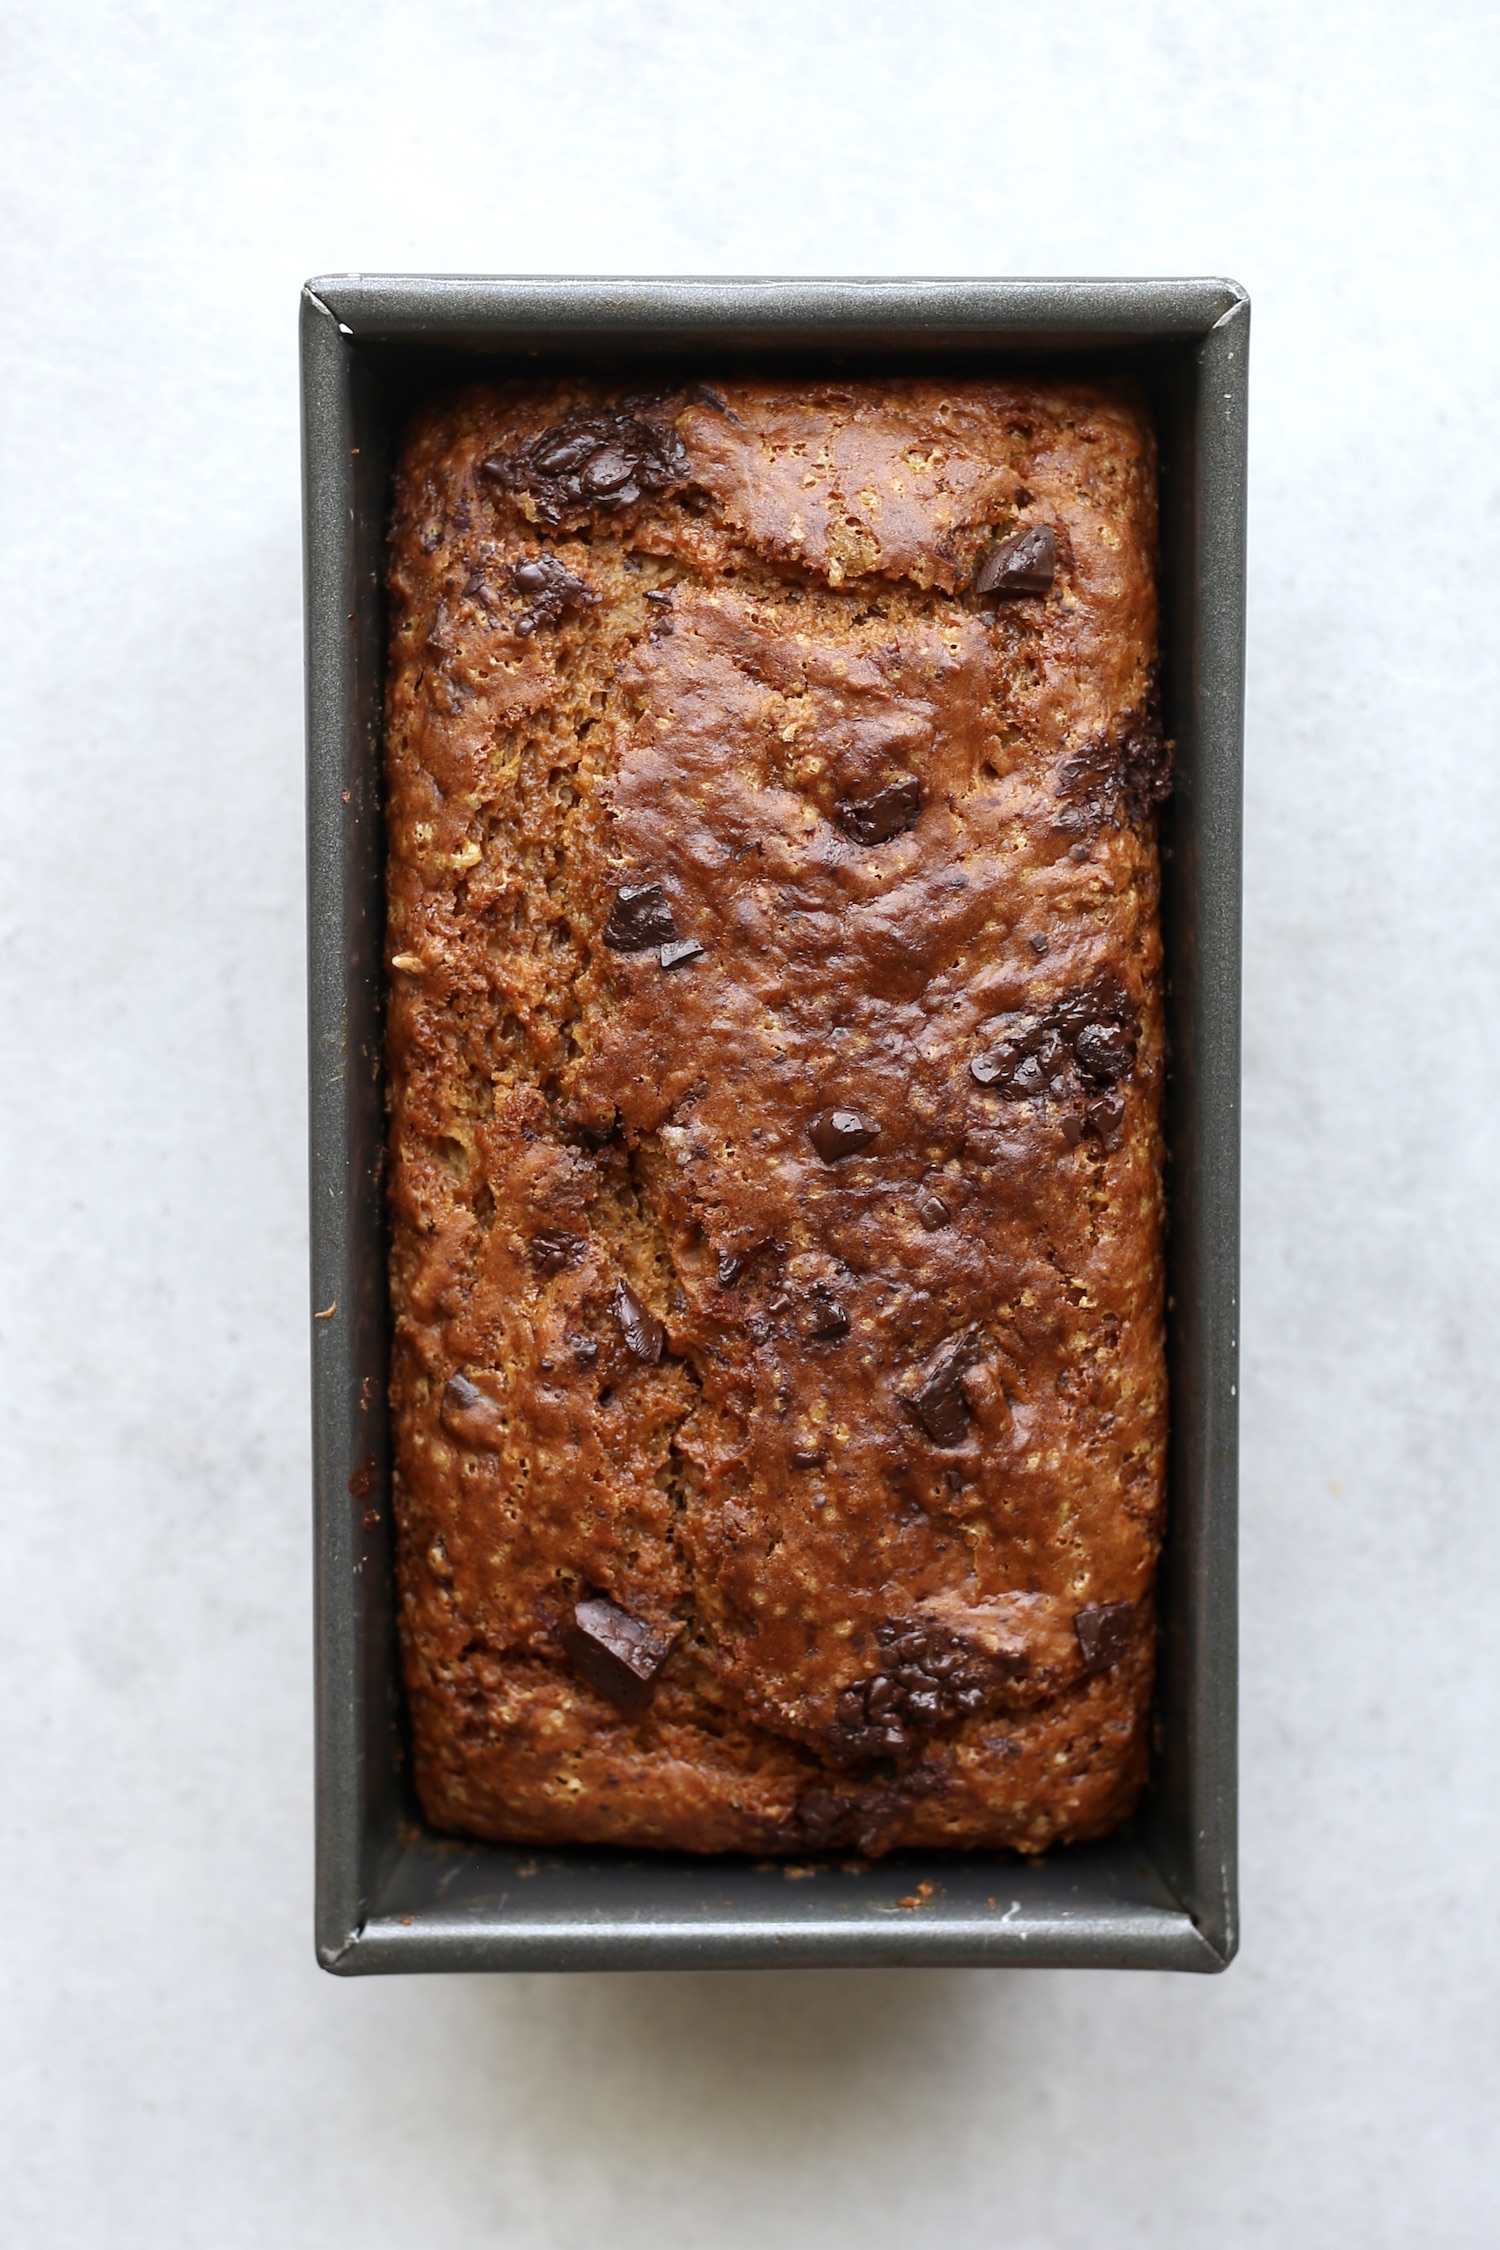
{"points": [[869, 1450]]}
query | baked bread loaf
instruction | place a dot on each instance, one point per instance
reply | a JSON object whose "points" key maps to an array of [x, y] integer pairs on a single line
{"points": [[775, 1060]]}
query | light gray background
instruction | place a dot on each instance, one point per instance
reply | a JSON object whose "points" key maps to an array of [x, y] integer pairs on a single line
{"points": [[176, 2070]]}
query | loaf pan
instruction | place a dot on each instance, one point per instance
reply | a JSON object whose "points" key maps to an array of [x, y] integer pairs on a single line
{"points": [[392, 1895]]}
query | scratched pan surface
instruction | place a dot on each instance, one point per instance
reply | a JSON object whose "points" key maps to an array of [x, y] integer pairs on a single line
{"points": [[391, 1895]]}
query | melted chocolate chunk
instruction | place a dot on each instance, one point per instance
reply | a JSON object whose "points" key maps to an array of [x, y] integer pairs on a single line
{"points": [[1103, 1053], [937, 1400], [616, 1653], [471, 1415], [1026, 563], [826, 1317], [679, 952], [1124, 773], [823, 1819], [640, 918], [1106, 1114], [875, 820], [1105, 1631], [840, 1133], [591, 464], [1081, 1045], [927, 1678], [584, 1349], [731, 1266], [553, 1251], [715, 399], [645, 1337], [933, 1213], [549, 590], [808, 1457]]}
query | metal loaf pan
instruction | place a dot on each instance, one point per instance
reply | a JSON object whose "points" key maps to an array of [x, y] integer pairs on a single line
{"points": [[392, 1895]]}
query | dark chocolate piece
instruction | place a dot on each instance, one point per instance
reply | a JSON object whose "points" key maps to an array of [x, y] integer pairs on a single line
{"points": [[938, 1400], [826, 1317], [715, 399], [550, 590], [1102, 1052], [927, 1678], [644, 1335], [590, 464], [553, 1251], [1026, 563], [1106, 1114], [584, 1349], [1126, 771], [841, 1132], [471, 1415], [1081, 1043], [679, 952], [616, 1653], [640, 918], [875, 820], [1105, 1631], [933, 1213], [731, 1266]]}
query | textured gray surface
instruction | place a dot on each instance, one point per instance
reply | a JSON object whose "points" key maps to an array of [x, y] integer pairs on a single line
{"points": [[177, 2072]]}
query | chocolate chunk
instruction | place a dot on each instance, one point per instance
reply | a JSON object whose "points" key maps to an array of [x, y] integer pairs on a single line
{"points": [[471, 1415], [549, 589], [644, 1335], [822, 1817], [1103, 1051], [1026, 563], [1038, 942], [553, 1251], [663, 596], [841, 1132], [681, 950], [616, 1653], [1081, 1043], [640, 918], [715, 399], [938, 1400], [926, 1679], [591, 463], [1124, 771], [1106, 1114], [875, 820], [1105, 1631], [731, 1266], [933, 1213], [584, 1349], [808, 1457], [826, 1317]]}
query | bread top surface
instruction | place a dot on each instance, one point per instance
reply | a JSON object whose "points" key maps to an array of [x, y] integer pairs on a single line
{"points": [[798, 1295]]}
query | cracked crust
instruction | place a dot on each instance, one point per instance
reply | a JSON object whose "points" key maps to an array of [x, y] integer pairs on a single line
{"points": [[775, 1063]]}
